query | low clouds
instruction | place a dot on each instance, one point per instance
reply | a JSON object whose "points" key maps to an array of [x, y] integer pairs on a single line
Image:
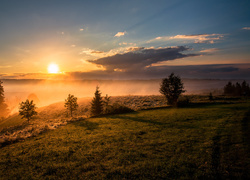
{"points": [[120, 34], [213, 71], [196, 38], [140, 58]]}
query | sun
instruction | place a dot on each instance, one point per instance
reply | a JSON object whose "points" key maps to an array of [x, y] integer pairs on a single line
{"points": [[53, 68]]}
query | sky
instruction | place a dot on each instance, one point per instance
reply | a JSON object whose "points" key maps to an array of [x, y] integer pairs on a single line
{"points": [[132, 39]]}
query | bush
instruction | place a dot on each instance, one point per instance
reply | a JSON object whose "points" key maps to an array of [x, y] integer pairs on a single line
{"points": [[118, 109]]}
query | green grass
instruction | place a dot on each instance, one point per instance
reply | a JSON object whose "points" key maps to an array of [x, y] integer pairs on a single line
{"points": [[208, 141]]}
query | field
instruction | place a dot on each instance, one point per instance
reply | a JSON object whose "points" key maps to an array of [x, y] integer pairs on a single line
{"points": [[203, 140]]}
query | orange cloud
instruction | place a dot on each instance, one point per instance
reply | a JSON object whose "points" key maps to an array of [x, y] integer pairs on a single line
{"points": [[120, 34]]}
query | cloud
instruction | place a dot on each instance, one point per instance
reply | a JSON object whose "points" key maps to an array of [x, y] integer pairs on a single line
{"points": [[125, 43], [140, 58], [246, 28], [120, 34], [81, 29], [213, 71], [212, 50], [3, 67], [196, 38]]}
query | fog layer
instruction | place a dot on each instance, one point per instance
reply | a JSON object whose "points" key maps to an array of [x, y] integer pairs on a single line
{"points": [[45, 92]]}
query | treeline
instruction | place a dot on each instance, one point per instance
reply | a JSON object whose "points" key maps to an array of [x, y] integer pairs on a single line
{"points": [[237, 89]]}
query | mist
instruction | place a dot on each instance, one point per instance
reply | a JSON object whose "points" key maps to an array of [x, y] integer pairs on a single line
{"points": [[45, 92]]}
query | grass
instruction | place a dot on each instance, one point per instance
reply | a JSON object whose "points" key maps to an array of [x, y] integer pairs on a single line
{"points": [[208, 141], [11, 121]]}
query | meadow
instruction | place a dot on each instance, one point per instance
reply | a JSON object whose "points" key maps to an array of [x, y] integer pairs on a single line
{"points": [[207, 140]]}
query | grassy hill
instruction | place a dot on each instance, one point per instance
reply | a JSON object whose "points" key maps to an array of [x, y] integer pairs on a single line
{"points": [[205, 141]]}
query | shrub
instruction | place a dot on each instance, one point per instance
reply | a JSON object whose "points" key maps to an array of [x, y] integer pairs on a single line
{"points": [[118, 109]]}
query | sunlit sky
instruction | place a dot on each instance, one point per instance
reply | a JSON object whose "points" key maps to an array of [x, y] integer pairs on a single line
{"points": [[132, 39]]}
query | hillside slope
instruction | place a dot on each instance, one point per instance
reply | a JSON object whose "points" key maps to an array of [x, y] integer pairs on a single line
{"points": [[210, 141]]}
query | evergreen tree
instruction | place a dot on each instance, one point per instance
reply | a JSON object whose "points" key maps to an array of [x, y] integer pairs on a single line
{"points": [[27, 109], [3, 106], [97, 103], [238, 89], [71, 104], [245, 89], [172, 87], [106, 104], [229, 88]]}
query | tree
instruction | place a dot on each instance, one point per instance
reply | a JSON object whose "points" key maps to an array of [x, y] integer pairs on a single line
{"points": [[27, 109], [245, 89], [3, 106], [238, 89], [106, 104], [71, 104], [229, 89], [172, 87], [97, 103]]}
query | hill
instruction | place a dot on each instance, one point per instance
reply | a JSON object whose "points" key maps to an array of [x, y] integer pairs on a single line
{"points": [[201, 141]]}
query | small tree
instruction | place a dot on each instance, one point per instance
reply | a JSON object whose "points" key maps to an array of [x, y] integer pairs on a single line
{"points": [[27, 109], [97, 103], [106, 103], [3, 106], [172, 88], [229, 89], [71, 104]]}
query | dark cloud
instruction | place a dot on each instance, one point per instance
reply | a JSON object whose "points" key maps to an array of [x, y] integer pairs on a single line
{"points": [[140, 58], [215, 71]]}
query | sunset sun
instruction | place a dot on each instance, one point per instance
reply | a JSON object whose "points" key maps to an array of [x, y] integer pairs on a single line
{"points": [[53, 68]]}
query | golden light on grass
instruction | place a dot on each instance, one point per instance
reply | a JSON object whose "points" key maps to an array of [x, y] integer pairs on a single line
{"points": [[53, 68]]}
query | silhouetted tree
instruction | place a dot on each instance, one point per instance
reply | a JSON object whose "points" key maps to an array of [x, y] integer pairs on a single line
{"points": [[97, 103], [3, 106], [229, 89], [238, 89], [245, 89], [210, 96], [27, 109], [71, 104], [172, 88], [106, 104]]}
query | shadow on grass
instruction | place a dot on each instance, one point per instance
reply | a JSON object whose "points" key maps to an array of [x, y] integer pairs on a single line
{"points": [[136, 118], [87, 124]]}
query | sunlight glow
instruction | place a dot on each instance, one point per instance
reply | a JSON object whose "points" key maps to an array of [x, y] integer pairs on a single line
{"points": [[53, 68]]}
